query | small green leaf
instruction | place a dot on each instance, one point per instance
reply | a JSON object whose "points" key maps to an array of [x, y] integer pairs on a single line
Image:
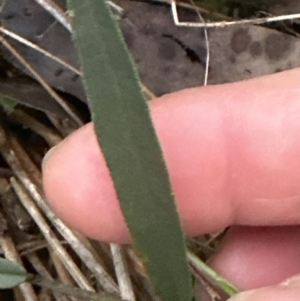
{"points": [[7, 103], [221, 282], [11, 274]]}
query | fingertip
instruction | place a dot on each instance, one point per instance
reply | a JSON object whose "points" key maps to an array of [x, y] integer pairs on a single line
{"points": [[79, 188]]}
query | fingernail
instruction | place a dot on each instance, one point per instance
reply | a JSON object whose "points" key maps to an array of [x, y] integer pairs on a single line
{"points": [[47, 156]]}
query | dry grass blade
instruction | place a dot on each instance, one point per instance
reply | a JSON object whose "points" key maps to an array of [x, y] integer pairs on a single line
{"points": [[102, 276], [61, 270], [229, 23], [64, 127], [35, 191], [50, 236], [43, 272], [47, 133], [82, 295], [48, 88], [206, 43], [56, 12], [37, 48], [125, 285]]}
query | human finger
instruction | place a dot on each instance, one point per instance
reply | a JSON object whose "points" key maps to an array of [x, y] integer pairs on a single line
{"points": [[254, 257], [232, 152]]}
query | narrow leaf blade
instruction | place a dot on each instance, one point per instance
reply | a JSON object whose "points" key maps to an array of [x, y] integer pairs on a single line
{"points": [[130, 146]]}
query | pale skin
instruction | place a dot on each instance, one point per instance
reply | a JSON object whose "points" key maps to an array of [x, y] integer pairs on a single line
{"points": [[233, 155]]}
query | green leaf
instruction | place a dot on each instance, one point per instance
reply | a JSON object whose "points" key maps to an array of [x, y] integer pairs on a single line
{"points": [[221, 282], [130, 146], [7, 103], [11, 274]]}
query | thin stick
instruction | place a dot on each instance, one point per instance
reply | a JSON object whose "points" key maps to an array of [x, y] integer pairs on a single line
{"points": [[125, 285], [63, 126], [73, 291], [43, 272], [63, 274], [29, 247], [52, 8], [49, 235], [38, 49], [86, 256], [45, 85], [26, 120]]}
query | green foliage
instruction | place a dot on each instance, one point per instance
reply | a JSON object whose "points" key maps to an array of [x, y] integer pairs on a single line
{"points": [[131, 149], [7, 103], [221, 282], [11, 274]]}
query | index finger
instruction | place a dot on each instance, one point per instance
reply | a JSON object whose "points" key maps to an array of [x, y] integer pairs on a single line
{"points": [[232, 152]]}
